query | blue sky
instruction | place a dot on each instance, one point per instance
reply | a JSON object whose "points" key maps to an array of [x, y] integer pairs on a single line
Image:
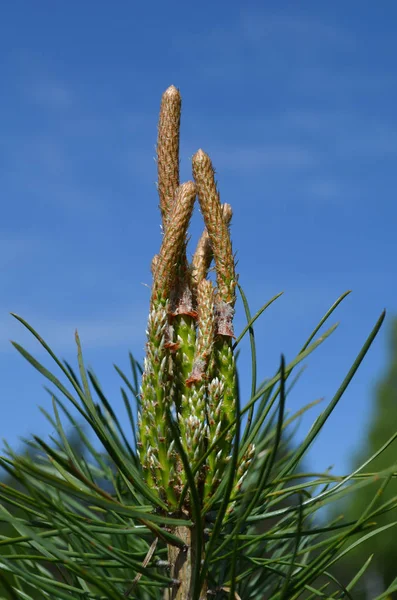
{"points": [[296, 105]]}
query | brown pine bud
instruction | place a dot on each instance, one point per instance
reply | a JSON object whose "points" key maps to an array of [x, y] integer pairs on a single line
{"points": [[168, 151], [218, 232], [174, 240], [203, 255]]}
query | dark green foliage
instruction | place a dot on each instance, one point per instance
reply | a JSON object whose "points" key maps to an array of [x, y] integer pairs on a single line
{"points": [[88, 526], [382, 425]]}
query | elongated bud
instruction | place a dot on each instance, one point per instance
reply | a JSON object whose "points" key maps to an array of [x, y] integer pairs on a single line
{"points": [[218, 232], [156, 393], [168, 151], [203, 255], [173, 244], [154, 263], [206, 330]]}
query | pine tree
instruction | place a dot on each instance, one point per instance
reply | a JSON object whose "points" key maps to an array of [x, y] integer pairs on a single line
{"points": [[381, 429], [7, 529]]}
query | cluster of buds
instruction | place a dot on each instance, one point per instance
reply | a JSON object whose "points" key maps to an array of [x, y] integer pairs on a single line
{"points": [[189, 370]]}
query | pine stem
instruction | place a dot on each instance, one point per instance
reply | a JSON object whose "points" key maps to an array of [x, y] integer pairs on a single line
{"points": [[183, 562]]}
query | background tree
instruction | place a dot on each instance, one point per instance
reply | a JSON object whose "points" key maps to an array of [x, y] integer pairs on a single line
{"points": [[381, 427], [7, 530]]}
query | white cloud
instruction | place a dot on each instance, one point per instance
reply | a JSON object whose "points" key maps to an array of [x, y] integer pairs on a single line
{"points": [[373, 141], [345, 134], [259, 26], [95, 333], [262, 41], [52, 94], [255, 157], [14, 249], [324, 190], [347, 81], [41, 154]]}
